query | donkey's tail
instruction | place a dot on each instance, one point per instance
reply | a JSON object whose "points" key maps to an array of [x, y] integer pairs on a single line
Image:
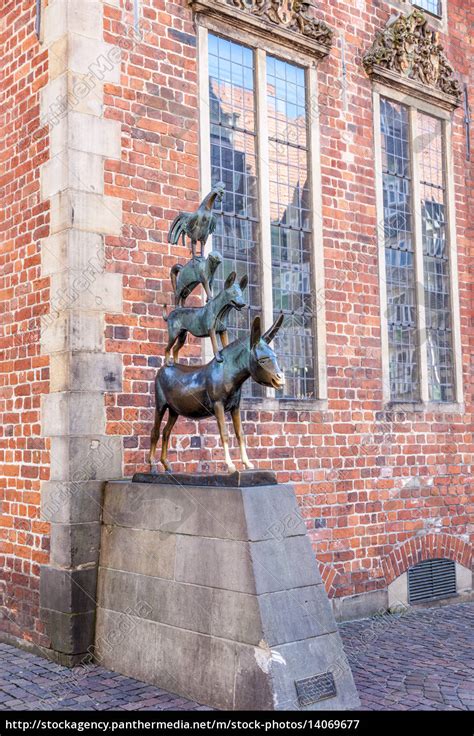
{"points": [[165, 313]]}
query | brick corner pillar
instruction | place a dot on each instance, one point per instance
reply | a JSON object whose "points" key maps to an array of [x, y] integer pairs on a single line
{"points": [[73, 335]]}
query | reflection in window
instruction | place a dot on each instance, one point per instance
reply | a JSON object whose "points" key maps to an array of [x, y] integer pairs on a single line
{"points": [[435, 261], [399, 252], [233, 160], [290, 224]]}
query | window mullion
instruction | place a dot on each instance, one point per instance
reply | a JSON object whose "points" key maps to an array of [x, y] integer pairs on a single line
{"points": [[204, 117], [263, 159], [418, 250], [264, 186], [386, 392], [205, 142], [317, 261], [452, 256]]}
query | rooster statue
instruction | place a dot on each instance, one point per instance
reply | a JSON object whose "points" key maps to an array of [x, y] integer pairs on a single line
{"points": [[197, 225]]}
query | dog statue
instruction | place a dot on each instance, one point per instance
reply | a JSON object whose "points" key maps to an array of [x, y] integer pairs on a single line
{"points": [[207, 321], [198, 270]]}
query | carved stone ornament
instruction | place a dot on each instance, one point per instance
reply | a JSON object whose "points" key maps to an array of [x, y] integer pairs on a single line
{"points": [[408, 47], [292, 14], [277, 17]]}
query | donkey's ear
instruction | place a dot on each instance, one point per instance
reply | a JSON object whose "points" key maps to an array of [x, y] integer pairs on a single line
{"points": [[255, 332], [243, 281], [272, 331], [230, 280]]}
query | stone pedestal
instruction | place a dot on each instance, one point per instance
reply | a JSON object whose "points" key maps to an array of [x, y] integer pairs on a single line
{"points": [[214, 593]]}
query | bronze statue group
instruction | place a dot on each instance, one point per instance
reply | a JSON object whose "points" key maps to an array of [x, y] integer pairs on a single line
{"points": [[213, 389]]}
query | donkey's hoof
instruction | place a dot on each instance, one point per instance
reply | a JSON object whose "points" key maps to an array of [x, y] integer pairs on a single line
{"points": [[219, 357], [249, 466], [232, 468], [169, 362]]}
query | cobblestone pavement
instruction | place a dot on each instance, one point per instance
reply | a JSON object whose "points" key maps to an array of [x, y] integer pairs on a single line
{"points": [[420, 660]]}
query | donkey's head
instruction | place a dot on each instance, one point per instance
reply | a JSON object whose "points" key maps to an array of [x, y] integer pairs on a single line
{"points": [[232, 291], [264, 366]]}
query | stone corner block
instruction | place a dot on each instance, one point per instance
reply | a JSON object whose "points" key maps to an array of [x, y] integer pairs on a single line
{"points": [[87, 210], [88, 290], [77, 459], [95, 60], [71, 329], [77, 16], [79, 413], [96, 212], [78, 170], [73, 545], [69, 633], [82, 371], [72, 249], [73, 502], [68, 591], [100, 136]]}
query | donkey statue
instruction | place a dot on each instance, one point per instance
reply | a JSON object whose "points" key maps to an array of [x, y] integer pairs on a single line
{"points": [[214, 389]]}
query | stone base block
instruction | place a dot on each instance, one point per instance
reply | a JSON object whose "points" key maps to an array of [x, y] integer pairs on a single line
{"points": [[215, 594]]}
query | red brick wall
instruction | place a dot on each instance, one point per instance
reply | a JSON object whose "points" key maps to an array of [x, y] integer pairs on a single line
{"points": [[24, 372], [376, 488], [368, 480]]}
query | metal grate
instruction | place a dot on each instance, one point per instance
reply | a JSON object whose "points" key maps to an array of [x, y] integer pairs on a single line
{"points": [[431, 579]]}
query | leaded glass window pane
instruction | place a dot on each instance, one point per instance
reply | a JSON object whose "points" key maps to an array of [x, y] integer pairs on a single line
{"points": [[291, 233], [234, 148], [399, 252], [234, 161], [435, 261]]}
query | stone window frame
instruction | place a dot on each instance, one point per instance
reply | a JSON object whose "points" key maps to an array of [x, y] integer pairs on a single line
{"points": [[415, 104], [302, 54]]}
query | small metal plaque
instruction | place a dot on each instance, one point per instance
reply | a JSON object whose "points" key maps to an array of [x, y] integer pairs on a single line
{"points": [[315, 688]]}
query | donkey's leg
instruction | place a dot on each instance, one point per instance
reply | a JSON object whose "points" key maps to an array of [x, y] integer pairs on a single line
{"points": [[171, 342], [220, 416], [155, 432], [215, 346], [172, 417], [178, 345], [224, 338], [207, 289], [239, 433]]}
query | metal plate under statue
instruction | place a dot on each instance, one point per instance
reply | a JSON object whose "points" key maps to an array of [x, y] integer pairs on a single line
{"points": [[211, 580]]}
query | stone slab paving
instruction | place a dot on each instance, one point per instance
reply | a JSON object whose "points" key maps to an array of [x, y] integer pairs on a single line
{"points": [[422, 659]]}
